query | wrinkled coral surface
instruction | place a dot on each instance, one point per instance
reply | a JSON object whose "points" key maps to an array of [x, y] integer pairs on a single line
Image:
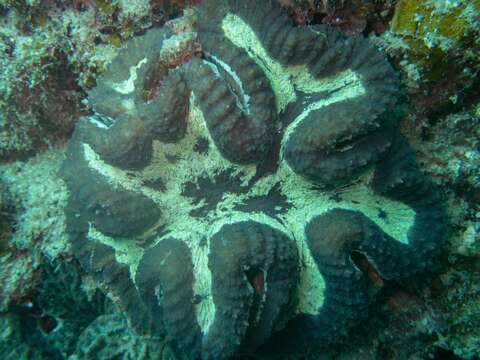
{"points": [[229, 200]]}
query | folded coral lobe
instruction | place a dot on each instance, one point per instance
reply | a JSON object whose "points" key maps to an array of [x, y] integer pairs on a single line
{"points": [[236, 100], [397, 176], [341, 132], [121, 87], [245, 312], [110, 209], [165, 276], [95, 205]]}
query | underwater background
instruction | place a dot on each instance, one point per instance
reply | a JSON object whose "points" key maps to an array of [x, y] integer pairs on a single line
{"points": [[132, 150]]}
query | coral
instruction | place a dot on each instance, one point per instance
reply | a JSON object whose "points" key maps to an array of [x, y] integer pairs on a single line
{"points": [[43, 307], [108, 337], [270, 258], [242, 129], [245, 197], [11, 345], [66, 309]]}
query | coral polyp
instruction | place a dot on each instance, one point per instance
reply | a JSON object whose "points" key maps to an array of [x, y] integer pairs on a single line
{"points": [[219, 201]]}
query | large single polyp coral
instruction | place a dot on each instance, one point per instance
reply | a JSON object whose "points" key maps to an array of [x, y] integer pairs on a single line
{"points": [[220, 201]]}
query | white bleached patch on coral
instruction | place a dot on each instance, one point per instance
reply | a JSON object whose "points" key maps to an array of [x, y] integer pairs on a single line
{"points": [[240, 34], [127, 86], [202, 287], [126, 250], [242, 99]]}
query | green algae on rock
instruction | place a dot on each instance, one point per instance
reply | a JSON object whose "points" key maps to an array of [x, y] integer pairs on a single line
{"points": [[461, 306], [442, 43], [212, 222]]}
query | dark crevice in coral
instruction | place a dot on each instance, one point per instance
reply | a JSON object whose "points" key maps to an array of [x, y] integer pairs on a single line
{"points": [[272, 204], [361, 262], [270, 163], [7, 226], [202, 145], [211, 191], [256, 279], [156, 184], [443, 354]]}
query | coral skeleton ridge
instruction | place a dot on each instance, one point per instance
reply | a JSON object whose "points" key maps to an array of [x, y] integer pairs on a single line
{"points": [[219, 200]]}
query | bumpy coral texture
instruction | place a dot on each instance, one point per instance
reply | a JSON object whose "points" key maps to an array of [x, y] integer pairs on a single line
{"points": [[108, 337], [220, 202]]}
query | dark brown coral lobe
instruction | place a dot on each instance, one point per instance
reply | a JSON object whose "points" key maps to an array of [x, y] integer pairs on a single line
{"points": [[122, 82], [240, 122], [126, 144], [165, 276], [114, 211], [235, 248]]}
